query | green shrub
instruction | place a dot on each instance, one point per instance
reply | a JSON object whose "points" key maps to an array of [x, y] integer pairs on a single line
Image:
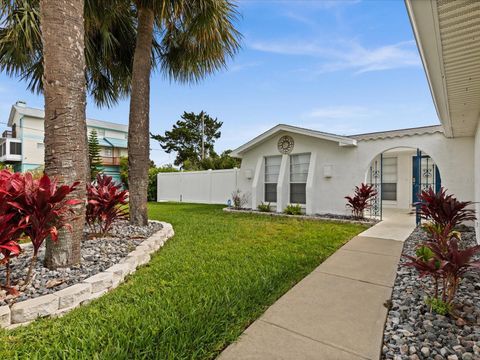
{"points": [[439, 306], [293, 209], [264, 207]]}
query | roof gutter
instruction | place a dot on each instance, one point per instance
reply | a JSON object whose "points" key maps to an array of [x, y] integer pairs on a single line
{"points": [[423, 17]]}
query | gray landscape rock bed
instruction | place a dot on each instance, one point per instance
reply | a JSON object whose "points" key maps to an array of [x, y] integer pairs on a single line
{"points": [[326, 216], [413, 332], [98, 254]]}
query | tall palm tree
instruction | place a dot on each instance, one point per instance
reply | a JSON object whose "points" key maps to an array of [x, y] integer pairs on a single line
{"points": [[186, 39], [56, 67], [196, 38], [65, 97]]}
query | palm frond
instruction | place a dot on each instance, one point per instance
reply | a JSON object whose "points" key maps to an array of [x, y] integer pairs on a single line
{"points": [[197, 38]]}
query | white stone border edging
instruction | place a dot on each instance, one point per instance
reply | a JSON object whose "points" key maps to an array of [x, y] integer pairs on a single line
{"points": [[303, 217], [64, 300]]}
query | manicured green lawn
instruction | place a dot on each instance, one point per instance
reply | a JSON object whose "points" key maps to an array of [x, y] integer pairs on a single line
{"points": [[218, 274]]}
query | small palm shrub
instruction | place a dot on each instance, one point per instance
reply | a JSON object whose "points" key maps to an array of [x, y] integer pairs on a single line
{"points": [[293, 209], [239, 200], [440, 257], [106, 204], [264, 207], [360, 201]]}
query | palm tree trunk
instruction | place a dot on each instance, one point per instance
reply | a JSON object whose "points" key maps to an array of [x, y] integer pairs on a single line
{"points": [[138, 125], [62, 27]]}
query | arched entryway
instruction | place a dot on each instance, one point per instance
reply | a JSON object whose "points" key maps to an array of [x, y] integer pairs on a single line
{"points": [[399, 175]]}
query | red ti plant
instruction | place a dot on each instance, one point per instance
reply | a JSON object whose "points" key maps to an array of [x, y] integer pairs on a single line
{"points": [[360, 201], [9, 234], [440, 255], [446, 263], [106, 202], [45, 208], [444, 210]]}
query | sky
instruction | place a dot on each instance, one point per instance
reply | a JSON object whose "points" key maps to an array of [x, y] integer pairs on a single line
{"points": [[344, 67]]}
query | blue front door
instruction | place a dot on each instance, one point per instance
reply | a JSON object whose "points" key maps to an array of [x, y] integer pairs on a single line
{"points": [[425, 175]]}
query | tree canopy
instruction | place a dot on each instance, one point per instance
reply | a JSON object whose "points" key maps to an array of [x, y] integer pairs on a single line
{"points": [[185, 138], [95, 161]]}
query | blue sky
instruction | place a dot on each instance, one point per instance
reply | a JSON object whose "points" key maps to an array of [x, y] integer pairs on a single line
{"points": [[338, 66]]}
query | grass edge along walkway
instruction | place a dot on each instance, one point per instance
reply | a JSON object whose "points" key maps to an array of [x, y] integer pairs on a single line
{"points": [[217, 275]]}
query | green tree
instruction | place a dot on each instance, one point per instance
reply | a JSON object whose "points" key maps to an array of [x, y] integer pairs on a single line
{"points": [[109, 46], [4, 166], [94, 158], [214, 162], [124, 171], [192, 138], [197, 37], [186, 39], [63, 44], [39, 46]]}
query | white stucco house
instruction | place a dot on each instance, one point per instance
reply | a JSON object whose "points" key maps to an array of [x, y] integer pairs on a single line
{"points": [[289, 164], [22, 145], [292, 165]]}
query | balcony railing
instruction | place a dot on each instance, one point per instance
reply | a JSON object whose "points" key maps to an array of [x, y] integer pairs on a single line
{"points": [[7, 134], [111, 160]]}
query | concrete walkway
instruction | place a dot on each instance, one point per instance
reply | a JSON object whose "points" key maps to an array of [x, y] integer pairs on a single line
{"points": [[337, 311]]}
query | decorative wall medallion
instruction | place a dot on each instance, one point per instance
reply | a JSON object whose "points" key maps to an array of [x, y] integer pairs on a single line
{"points": [[285, 144]]}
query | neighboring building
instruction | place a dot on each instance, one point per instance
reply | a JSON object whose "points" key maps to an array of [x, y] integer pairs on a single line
{"points": [[23, 146]]}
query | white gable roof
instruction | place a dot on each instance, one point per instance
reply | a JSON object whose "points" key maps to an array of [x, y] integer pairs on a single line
{"points": [[341, 140]]}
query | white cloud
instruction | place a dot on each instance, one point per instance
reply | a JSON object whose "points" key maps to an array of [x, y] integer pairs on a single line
{"points": [[346, 55]]}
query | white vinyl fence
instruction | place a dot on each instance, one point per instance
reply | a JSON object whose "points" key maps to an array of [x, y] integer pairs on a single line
{"points": [[207, 187]]}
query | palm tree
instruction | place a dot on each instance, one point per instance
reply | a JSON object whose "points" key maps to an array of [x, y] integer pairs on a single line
{"points": [[108, 40], [196, 38], [186, 39], [65, 98]]}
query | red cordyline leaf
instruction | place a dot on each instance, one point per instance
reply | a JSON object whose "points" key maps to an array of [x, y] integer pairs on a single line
{"points": [[360, 200], [39, 205], [444, 209], [104, 199]]}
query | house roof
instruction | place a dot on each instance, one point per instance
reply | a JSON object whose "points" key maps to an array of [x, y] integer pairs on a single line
{"points": [[350, 140], [342, 140], [399, 133], [118, 143], [447, 34], [23, 110]]}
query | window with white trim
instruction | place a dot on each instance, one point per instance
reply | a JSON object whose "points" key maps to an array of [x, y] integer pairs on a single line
{"points": [[107, 152], [15, 148], [272, 170], [299, 165], [389, 178]]}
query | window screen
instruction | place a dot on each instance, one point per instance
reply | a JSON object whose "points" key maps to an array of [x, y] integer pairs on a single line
{"points": [[389, 179], [272, 169], [299, 165], [15, 148]]}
